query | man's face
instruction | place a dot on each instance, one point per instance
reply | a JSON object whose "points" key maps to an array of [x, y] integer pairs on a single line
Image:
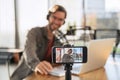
{"points": [[56, 20], [69, 51]]}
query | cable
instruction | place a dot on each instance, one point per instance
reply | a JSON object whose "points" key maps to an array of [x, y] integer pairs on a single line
{"points": [[8, 60]]}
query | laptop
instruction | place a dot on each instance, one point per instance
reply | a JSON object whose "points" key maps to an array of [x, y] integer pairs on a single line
{"points": [[98, 53]]}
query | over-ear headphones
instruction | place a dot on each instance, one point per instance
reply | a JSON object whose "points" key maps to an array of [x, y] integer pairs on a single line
{"points": [[48, 15], [56, 8]]}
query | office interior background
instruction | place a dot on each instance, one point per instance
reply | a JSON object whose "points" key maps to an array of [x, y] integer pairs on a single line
{"points": [[17, 17]]}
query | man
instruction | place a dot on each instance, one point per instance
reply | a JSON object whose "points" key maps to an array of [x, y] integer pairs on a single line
{"points": [[67, 57], [37, 54]]}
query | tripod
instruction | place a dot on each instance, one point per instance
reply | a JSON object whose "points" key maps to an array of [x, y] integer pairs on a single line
{"points": [[68, 68]]}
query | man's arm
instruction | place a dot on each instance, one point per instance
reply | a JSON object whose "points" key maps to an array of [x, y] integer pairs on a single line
{"points": [[30, 50], [30, 55]]}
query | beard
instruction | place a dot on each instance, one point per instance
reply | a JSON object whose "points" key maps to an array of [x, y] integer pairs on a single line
{"points": [[53, 27]]}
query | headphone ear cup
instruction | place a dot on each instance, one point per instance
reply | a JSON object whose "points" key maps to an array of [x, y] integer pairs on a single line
{"points": [[48, 16], [64, 22]]}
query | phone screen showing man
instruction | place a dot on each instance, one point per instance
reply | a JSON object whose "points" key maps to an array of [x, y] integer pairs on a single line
{"points": [[70, 54]]}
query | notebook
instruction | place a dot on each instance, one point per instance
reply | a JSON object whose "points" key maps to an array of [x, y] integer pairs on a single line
{"points": [[98, 53]]}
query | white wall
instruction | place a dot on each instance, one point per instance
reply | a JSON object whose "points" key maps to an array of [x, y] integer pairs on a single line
{"points": [[31, 13], [7, 23]]}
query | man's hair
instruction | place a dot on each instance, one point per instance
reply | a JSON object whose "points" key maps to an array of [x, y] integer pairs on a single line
{"points": [[56, 8], [70, 50]]}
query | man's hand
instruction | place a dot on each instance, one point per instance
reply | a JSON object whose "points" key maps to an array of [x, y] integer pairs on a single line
{"points": [[43, 67]]}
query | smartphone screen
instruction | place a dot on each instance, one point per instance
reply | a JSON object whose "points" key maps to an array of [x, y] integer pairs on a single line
{"points": [[77, 54]]}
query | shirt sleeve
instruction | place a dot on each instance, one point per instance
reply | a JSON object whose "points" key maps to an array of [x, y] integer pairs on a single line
{"points": [[30, 50]]}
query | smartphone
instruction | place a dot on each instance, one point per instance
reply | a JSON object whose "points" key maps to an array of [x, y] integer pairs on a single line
{"points": [[63, 55]]}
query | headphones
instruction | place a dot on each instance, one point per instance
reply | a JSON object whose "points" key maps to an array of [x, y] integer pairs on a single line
{"points": [[54, 9], [48, 15]]}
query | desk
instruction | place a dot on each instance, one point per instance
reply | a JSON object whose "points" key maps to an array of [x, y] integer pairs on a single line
{"points": [[11, 50], [9, 55], [111, 71]]}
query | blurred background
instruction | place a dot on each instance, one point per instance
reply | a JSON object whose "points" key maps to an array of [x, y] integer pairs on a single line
{"points": [[18, 16]]}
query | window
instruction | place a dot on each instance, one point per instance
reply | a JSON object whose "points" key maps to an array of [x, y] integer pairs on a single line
{"points": [[31, 13], [7, 24]]}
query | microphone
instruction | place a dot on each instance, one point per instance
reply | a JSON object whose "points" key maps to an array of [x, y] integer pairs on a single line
{"points": [[61, 36]]}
